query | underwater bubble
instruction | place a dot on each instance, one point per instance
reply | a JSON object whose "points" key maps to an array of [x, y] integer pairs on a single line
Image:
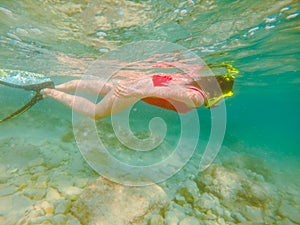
{"points": [[271, 19], [120, 12], [292, 16], [101, 34], [183, 12], [253, 30], [6, 11], [285, 8], [103, 50], [22, 31], [268, 27], [13, 36]]}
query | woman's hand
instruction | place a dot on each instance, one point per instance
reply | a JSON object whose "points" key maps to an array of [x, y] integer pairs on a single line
{"points": [[127, 90], [135, 88]]}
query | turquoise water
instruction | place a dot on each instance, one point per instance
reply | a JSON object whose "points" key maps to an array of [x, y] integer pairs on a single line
{"points": [[261, 39]]}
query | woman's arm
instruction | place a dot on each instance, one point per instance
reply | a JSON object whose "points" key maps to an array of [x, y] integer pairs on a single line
{"points": [[190, 97]]}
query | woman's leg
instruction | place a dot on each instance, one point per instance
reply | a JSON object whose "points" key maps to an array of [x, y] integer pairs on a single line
{"points": [[97, 87], [110, 104]]}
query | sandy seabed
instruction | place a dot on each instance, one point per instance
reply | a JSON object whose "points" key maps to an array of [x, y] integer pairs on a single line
{"points": [[48, 182]]}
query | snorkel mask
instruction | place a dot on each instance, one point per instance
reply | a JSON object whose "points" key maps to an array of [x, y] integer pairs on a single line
{"points": [[213, 102], [225, 83]]}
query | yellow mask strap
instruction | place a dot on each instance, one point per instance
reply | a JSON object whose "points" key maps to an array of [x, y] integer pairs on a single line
{"points": [[212, 102], [231, 71]]}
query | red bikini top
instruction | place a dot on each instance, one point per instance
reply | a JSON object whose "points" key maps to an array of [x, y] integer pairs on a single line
{"points": [[168, 103]]}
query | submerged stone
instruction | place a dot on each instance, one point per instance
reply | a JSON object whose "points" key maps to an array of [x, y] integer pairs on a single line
{"points": [[71, 220], [234, 188], [178, 211], [189, 191], [13, 207], [171, 218], [6, 190], [238, 217], [59, 219], [209, 202], [285, 222], [290, 211], [189, 221], [48, 207], [255, 165], [62, 206], [156, 220], [105, 202], [52, 194], [34, 193], [72, 192], [253, 214]]}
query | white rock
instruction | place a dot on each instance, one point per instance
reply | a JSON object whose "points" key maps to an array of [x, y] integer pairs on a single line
{"points": [[253, 214], [210, 222], [61, 182], [34, 215], [106, 203], [210, 216], [72, 192], [12, 171], [189, 191], [179, 199], [285, 222], [34, 193], [52, 194], [188, 209], [81, 182], [22, 181], [200, 215], [156, 220], [208, 201], [232, 223], [179, 211], [48, 207], [171, 218], [59, 219], [189, 221], [227, 215], [37, 220], [221, 221], [237, 216], [62, 206], [290, 211], [6, 190], [13, 207], [71, 220], [42, 180], [235, 187], [36, 162]]}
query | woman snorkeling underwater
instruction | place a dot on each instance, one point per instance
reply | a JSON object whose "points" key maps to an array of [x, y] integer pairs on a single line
{"points": [[177, 92]]}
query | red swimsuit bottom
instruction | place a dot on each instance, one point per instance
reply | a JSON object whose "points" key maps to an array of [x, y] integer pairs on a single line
{"points": [[168, 103]]}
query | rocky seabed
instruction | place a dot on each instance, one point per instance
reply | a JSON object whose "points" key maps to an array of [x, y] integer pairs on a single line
{"points": [[50, 183]]}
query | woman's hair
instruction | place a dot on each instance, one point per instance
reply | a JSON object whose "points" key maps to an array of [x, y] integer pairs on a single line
{"points": [[215, 88], [226, 83]]}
